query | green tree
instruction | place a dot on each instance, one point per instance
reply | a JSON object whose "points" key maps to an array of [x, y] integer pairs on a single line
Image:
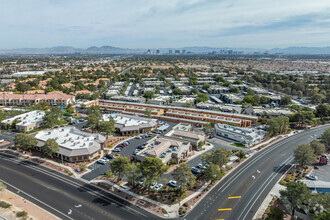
{"points": [[264, 100], [106, 126], [133, 173], [176, 91], [304, 154], [250, 99], [213, 173], [317, 98], [285, 100], [93, 120], [202, 97], [241, 155], [234, 89], [317, 147], [219, 78], [152, 169], [22, 86], [206, 86], [275, 213], [295, 195], [322, 111], [183, 176], [194, 91], [218, 156], [278, 125], [50, 147], [148, 113], [120, 166], [325, 138], [70, 109], [148, 95], [25, 141]]}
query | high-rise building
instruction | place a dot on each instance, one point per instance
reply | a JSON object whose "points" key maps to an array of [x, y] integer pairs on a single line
{"points": [[177, 51], [184, 51], [157, 52], [170, 51]]}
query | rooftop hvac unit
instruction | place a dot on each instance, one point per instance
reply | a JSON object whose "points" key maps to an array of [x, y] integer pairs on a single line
{"points": [[56, 138], [49, 132], [67, 135]]}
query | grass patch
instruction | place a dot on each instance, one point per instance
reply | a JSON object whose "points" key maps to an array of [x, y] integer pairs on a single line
{"points": [[238, 145]]}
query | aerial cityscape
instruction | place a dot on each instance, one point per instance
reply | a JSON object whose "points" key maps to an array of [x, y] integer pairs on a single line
{"points": [[178, 109]]}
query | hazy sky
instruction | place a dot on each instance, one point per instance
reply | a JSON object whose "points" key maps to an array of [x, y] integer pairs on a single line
{"points": [[164, 23]]}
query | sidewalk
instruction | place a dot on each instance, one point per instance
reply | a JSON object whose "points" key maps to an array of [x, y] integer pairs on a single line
{"points": [[279, 137], [275, 191], [76, 175]]}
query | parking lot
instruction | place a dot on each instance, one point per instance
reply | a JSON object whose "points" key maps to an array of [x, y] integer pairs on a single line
{"points": [[100, 169], [7, 136], [322, 173]]}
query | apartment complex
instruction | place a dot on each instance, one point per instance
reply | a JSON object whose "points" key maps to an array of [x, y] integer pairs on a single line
{"points": [[26, 122], [178, 114], [53, 99], [74, 144]]}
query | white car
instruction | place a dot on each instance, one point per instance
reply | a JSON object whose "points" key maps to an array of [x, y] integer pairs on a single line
{"points": [[101, 161], [116, 150], [312, 177], [152, 186], [173, 183], [158, 186], [141, 181]]}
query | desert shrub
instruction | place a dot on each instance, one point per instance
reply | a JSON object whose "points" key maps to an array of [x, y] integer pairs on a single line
{"points": [[4, 205], [22, 214], [282, 182], [164, 211]]}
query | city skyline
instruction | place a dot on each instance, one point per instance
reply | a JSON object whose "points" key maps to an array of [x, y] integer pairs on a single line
{"points": [[150, 24]]}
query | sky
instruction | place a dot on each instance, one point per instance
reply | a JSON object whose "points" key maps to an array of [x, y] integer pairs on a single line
{"points": [[164, 23]]}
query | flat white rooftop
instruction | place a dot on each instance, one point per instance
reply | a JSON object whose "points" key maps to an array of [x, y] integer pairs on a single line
{"points": [[126, 120], [26, 118], [68, 137]]}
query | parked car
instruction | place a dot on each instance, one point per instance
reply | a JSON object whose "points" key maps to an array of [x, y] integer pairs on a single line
{"points": [[201, 166], [312, 177], [109, 156], [141, 181], [101, 161], [153, 185], [173, 183], [195, 170], [158, 186], [116, 150], [105, 159]]}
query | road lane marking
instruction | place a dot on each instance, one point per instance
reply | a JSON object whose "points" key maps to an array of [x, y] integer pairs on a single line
{"points": [[8, 184], [264, 152], [258, 171], [71, 182], [235, 197], [228, 209], [271, 177], [254, 177]]}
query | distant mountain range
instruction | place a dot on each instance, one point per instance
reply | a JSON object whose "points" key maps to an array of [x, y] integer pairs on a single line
{"points": [[116, 50]]}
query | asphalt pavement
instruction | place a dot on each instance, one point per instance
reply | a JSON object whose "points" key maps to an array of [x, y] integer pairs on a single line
{"points": [[63, 196], [239, 195]]}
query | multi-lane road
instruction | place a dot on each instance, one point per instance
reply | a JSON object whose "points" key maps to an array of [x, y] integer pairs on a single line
{"points": [[237, 196]]}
